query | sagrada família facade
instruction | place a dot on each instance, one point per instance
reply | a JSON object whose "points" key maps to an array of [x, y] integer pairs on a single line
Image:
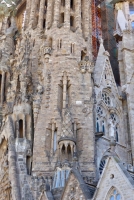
{"points": [[66, 126]]}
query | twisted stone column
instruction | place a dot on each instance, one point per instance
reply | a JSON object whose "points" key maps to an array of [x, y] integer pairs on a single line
{"points": [[14, 178]]}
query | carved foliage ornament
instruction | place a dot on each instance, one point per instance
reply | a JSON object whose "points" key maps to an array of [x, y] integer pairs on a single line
{"points": [[86, 66]]}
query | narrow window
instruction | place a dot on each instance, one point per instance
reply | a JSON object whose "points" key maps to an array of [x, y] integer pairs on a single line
{"points": [[63, 3], [97, 126], [63, 149], [115, 195], [46, 3], [45, 8], [21, 128], [5, 86], [69, 149], [103, 127], [28, 164], [72, 4], [55, 141], [44, 23], [116, 135], [60, 44], [83, 54], [62, 18], [72, 21]]}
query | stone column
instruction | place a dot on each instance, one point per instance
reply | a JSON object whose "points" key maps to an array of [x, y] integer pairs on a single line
{"points": [[56, 12], [72, 150], [75, 129], [49, 14], [67, 14], [41, 14], [64, 91], [14, 178], [78, 13], [86, 18], [2, 87], [33, 12], [17, 128], [28, 9]]}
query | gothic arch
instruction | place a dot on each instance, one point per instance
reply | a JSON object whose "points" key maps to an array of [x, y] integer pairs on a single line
{"points": [[113, 191], [104, 158]]}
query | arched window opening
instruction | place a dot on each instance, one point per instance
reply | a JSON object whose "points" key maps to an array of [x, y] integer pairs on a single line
{"points": [[97, 126], [55, 141], [116, 135], [45, 8], [63, 3], [69, 149], [46, 3], [105, 76], [103, 126], [115, 195], [62, 18], [63, 149], [72, 4], [69, 155], [71, 21], [21, 128], [83, 54]]}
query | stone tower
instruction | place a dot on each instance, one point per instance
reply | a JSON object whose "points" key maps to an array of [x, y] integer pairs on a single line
{"points": [[49, 94], [62, 132], [64, 122]]}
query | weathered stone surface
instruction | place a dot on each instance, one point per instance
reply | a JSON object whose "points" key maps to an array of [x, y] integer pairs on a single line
{"points": [[61, 113]]}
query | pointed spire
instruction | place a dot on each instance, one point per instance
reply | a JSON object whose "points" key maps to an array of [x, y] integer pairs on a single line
{"points": [[99, 63]]}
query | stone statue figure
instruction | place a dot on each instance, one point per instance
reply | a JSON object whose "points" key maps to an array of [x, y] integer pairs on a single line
{"points": [[111, 128]]}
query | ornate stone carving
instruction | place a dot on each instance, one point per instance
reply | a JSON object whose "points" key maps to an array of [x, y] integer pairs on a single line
{"points": [[86, 66]]}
